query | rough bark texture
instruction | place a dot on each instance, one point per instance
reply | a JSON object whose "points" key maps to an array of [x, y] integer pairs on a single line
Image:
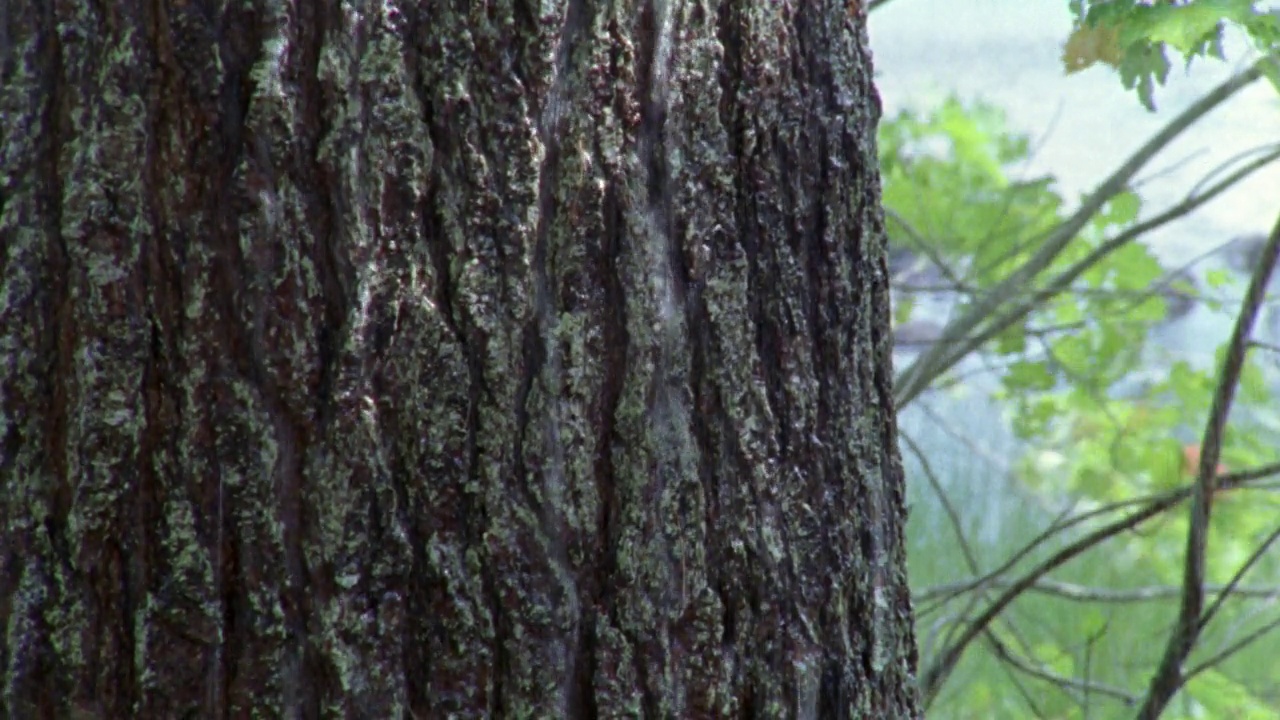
{"points": [[430, 359]]}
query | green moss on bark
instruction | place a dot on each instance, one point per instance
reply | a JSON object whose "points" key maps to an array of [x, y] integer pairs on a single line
{"points": [[434, 359]]}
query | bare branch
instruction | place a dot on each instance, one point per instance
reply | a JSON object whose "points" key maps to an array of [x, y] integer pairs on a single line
{"points": [[932, 677], [912, 381], [1230, 588], [1232, 649], [1169, 677], [1066, 683], [1085, 594], [1015, 310]]}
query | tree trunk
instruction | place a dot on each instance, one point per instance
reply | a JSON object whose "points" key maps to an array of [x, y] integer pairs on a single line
{"points": [[446, 359]]}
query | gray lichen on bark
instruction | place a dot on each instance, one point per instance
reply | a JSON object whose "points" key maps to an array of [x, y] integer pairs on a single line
{"points": [[444, 359]]}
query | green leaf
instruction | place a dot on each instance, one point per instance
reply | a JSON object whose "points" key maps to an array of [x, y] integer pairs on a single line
{"points": [[1134, 267], [1218, 278], [1186, 27], [1088, 45], [1035, 416], [1144, 65], [1271, 71], [1124, 207], [1027, 375], [1012, 341], [1264, 28]]}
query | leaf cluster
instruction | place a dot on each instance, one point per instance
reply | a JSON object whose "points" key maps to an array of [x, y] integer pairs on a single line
{"points": [[1136, 37]]}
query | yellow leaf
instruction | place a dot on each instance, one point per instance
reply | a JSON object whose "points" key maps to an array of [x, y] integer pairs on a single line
{"points": [[1088, 45]]}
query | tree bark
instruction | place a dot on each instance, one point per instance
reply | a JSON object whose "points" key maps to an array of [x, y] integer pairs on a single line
{"points": [[446, 359]]}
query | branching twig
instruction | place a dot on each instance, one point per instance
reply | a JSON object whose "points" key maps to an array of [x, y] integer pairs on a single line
{"points": [[953, 516], [971, 560], [1259, 150], [1018, 308], [1169, 677], [1230, 588], [1164, 500], [912, 381], [1232, 649], [919, 244], [1067, 683], [932, 677], [1082, 593]]}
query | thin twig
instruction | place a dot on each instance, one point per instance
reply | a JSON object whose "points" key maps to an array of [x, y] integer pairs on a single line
{"points": [[1222, 166], [1232, 649], [1164, 500], [1093, 595], [1062, 681], [953, 515]]}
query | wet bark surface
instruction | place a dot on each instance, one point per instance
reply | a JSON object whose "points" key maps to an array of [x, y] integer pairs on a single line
{"points": [[446, 360]]}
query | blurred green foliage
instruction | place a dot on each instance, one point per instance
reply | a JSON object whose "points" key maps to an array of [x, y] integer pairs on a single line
{"points": [[1098, 416]]}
